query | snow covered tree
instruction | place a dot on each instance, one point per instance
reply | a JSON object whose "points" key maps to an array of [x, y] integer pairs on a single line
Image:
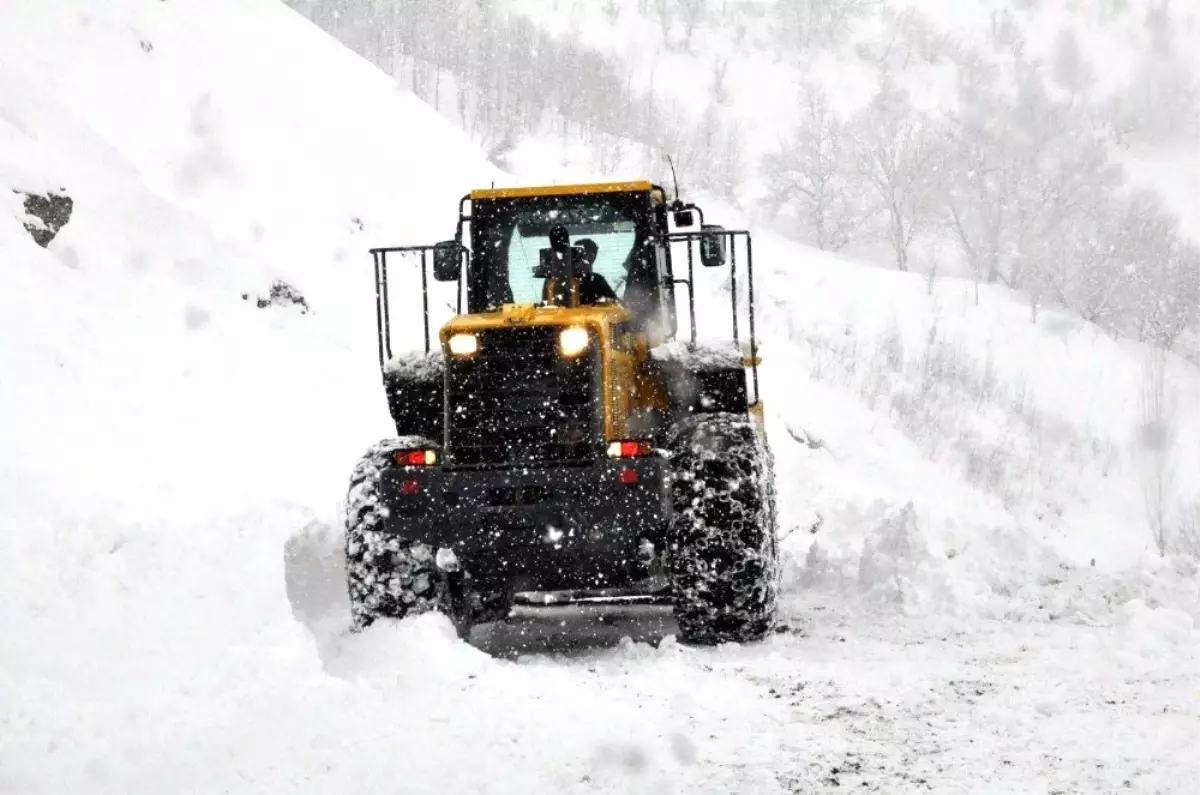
{"points": [[707, 152], [809, 178], [1069, 68], [691, 12], [1161, 270], [664, 13], [982, 181], [1155, 443], [895, 153], [803, 24]]}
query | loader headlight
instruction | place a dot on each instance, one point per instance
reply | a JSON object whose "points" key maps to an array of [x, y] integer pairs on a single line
{"points": [[463, 345], [573, 341]]}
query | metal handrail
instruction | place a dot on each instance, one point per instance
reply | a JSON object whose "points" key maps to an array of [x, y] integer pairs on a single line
{"points": [[382, 309], [732, 235]]}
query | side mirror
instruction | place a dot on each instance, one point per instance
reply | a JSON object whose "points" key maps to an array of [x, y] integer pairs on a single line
{"points": [[684, 218], [447, 260], [712, 246]]}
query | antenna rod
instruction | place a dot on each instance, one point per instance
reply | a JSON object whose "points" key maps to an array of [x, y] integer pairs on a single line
{"points": [[674, 176]]}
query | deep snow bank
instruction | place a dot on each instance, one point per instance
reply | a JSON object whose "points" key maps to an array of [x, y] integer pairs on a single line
{"points": [[161, 435], [199, 179], [942, 451]]}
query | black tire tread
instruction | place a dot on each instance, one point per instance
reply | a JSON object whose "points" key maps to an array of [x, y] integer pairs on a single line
{"points": [[387, 576], [723, 546]]}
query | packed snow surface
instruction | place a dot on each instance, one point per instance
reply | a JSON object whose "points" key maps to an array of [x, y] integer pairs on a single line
{"points": [[172, 608]]}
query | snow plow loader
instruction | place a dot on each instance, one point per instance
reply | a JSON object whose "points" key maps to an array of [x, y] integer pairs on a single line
{"points": [[555, 442]]}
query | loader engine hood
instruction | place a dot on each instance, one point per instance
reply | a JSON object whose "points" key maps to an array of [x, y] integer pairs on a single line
{"points": [[524, 385], [511, 315]]}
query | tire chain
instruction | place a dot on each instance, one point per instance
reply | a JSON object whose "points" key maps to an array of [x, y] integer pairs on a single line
{"points": [[386, 576], [723, 558]]}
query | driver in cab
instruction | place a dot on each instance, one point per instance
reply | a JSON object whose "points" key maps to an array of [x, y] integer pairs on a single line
{"points": [[593, 287]]}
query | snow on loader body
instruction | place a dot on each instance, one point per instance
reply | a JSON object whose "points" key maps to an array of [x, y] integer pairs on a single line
{"points": [[555, 442]]}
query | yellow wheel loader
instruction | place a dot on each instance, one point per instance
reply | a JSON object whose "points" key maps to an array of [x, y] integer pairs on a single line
{"points": [[555, 441]]}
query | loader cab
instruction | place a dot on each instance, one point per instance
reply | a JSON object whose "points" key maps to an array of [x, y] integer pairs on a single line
{"points": [[513, 234]]}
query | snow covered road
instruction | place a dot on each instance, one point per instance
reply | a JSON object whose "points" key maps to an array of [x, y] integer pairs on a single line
{"points": [[895, 704], [586, 700], [849, 694]]}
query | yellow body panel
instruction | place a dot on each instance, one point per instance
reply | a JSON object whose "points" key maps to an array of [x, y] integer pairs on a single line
{"points": [[511, 315], [759, 419], [559, 190], [629, 390]]}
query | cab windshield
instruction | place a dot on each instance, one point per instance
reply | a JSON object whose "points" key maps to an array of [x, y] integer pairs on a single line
{"points": [[509, 234]]}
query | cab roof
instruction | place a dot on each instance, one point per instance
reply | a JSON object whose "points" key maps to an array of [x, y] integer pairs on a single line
{"points": [[562, 190]]}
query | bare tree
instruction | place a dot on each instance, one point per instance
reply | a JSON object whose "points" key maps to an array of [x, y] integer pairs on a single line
{"points": [[1155, 445], [724, 156], [690, 13], [1162, 272], [1162, 105], [707, 152], [1187, 528], [895, 154], [663, 12], [808, 177], [982, 179], [1069, 68], [803, 24], [720, 83]]}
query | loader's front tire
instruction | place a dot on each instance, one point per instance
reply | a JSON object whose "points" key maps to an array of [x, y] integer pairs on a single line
{"points": [[388, 575], [722, 538]]}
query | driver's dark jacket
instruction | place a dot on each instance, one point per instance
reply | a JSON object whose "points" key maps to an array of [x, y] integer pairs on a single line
{"points": [[593, 288]]}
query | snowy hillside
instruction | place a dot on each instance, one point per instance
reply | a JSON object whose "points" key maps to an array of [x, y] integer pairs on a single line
{"points": [[166, 438], [1040, 412], [745, 63], [1051, 148], [195, 182]]}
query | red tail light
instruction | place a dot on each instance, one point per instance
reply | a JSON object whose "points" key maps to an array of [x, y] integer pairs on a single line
{"points": [[629, 448], [628, 476], [416, 458]]}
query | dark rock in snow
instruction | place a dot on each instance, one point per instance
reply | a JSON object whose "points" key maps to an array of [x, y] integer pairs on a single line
{"points": [[282, 294], [48, 214]]}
